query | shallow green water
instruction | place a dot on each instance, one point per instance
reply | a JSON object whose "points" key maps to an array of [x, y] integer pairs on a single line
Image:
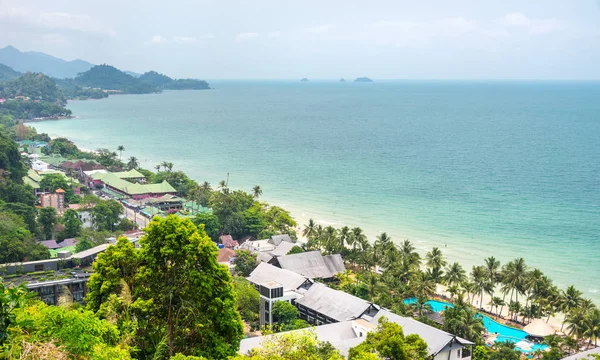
{"points": [[506, 168]]}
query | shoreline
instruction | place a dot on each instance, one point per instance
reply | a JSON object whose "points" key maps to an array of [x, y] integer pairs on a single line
{"points": [[49, 118], [466, 251]]}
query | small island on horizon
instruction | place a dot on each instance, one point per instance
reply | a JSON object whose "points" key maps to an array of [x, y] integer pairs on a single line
{"points": [[342, 80], [304, 79], [363, 79]]}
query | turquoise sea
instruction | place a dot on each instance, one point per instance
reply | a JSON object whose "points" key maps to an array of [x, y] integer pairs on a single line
{"points": [[477, 168]]}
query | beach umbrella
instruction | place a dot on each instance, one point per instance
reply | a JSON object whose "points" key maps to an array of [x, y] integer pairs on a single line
{"points": [[539, 328]]}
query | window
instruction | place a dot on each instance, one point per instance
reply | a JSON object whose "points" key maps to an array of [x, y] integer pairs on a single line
{"points": [[38, 267], [458, 353]]}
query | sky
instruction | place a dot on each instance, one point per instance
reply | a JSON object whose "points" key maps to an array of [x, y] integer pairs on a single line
{"points": [[325, 39]]}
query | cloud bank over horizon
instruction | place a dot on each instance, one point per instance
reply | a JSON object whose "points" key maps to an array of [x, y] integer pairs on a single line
{"points": [[270, 39]]}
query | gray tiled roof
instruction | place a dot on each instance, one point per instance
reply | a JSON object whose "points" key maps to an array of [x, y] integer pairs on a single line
{"points": [[436, 339], [312, 264], [282, 249], [266, 272], [335, 304], [583, 355], [277, 239]]}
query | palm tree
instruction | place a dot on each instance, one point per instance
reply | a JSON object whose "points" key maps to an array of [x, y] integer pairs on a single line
{"points": [[453, 290], [330, 240], [571, 300], [409, 255], [455, 274], [133, 163], [222, 185], [422, 305], [514, 275], [592, 326], [120, 149], [256, 192], [495, 302], [435, 262], [310, 229], [358, 238], [575, 321], [422, 285], [492, 267], [480, 280], [345, 238], [157, 167]]}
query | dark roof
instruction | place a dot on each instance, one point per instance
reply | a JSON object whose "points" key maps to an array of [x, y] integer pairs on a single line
{"points": [[50, 244], [277, 239], [312, 264], [332, 303], [68, 242]]}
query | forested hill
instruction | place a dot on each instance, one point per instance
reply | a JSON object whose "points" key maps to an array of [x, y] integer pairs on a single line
{"points": [[35, 86], [162, 81], [7, 73], [110, 78]]}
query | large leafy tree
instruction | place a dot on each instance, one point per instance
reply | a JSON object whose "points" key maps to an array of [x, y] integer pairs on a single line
{"points": [[210, 222], [247, 299], [106, 214], [389, 342], [47, 219], [190, 295], [16, 242], [72, 224], [10, 160], [245, 262], [293, 346]]}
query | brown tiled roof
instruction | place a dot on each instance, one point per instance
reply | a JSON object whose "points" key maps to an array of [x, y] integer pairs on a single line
{"points": [[228, 241], [225, 254]]}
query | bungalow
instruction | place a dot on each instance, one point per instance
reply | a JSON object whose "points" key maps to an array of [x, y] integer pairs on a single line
{"points": [[312, 264], [228, 242], [124, 188]]}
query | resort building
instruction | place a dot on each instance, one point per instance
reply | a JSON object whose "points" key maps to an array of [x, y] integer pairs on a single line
{"points": [[268, 249], [312, 264], [56, 200], [117, 186], [584, 355], [50, 291], [340, 318]]}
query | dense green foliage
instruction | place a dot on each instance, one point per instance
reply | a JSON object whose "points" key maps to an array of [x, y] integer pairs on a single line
{"points": [[7, 73], [53, 182], [245, 262], [181, 299], [160, 81], [73, 90], [110, 78], [35, 86], [71, 225], [247, 300], [47, 220], [293, 346], [389, 342], [285, 317], [105, 215]]}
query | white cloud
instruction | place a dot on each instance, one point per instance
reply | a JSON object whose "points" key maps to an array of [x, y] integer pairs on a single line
{"points": [[453, 26], [245, 36], [274, 34], [207, 36], [545, 26], [320, 29], [534, 26], [185, 39], [55, 40], [157, 39], [516, 19], [56, 21]]}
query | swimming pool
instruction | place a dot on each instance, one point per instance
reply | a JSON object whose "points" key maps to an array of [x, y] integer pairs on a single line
{"points": [[505, 333]]}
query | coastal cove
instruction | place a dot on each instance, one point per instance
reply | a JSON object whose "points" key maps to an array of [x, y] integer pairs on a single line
{"points": [[478, 169]]}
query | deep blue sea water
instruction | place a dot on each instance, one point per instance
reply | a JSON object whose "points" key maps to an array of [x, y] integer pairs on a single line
{"points": [[477, 168]]}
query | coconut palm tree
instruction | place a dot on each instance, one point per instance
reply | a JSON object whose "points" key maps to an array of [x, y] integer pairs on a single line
{"points": [[422, 285], [256, 192], [571, 300], [492, 267], [455, 274], [133, 163], [481, 282], [330, 240], [157, 167], [575, 321], [310, 229], [422, 305], [409, 254], [453, 290], [345, 237], [120, 149], [592, 326], [435, 261], [495, 302], [514, 275]]}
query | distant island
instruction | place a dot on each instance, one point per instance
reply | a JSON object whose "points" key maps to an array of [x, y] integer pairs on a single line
{"points": [[363, 79], [342, 80], [304, 79]]}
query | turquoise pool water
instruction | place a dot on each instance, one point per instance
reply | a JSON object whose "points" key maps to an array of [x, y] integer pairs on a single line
{"points": [[505, 333]]}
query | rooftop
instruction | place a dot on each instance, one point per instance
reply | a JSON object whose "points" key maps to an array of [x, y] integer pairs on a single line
{"points": [[335, 304], [312, 264], [266, 272]]}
